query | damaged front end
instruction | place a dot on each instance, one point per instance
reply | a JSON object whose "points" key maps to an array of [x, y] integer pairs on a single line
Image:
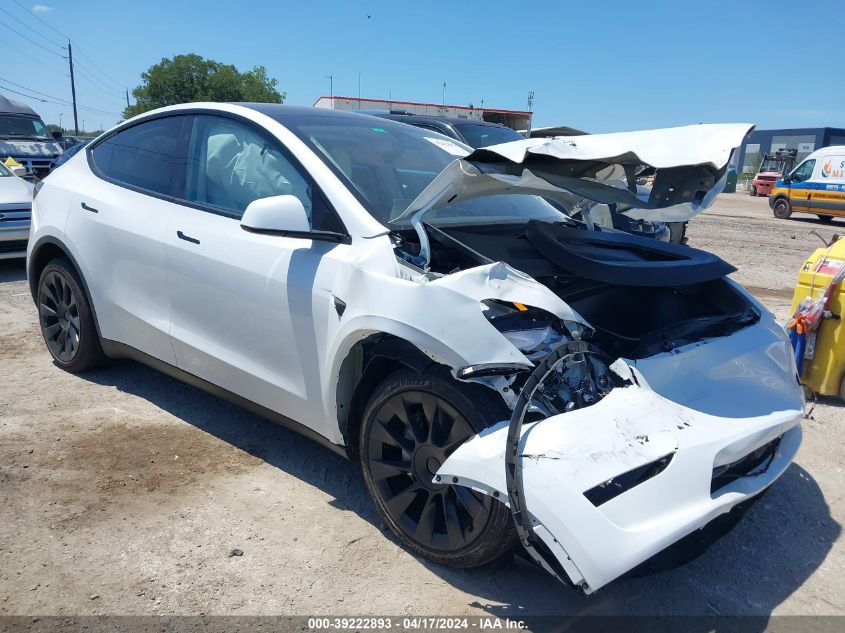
{"points": [[606, 465], [650, 394]]}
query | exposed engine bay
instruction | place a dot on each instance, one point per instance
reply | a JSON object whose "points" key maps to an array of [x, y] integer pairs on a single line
{"points": [[640, 296]]}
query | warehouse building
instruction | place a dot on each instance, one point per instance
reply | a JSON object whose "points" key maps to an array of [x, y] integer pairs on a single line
{"points": [[519, 120], [805, 140]]}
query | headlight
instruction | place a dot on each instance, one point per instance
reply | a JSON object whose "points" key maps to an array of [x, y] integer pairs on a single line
{"points": [[534, 343], [533, 331]]}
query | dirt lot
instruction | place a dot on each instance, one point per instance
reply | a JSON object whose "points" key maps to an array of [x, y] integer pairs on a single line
{"points": [[122, 491]]}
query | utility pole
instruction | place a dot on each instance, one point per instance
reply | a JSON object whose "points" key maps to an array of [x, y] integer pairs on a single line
{"points": [[359, 91], [127, 97], [530, 110], [72, 87], [60, 122], [444, 93], [331, 85]]}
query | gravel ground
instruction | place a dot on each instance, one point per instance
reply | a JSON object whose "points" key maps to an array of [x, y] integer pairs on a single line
{"points": [[123, 491]]}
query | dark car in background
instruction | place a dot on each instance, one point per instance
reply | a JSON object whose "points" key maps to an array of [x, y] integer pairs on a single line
{"points": [[468, 131], [68, 141], [70, 151]]}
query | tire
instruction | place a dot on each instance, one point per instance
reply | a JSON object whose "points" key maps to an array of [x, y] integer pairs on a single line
{"points": [[753, 191], [411, 424], [781, 209], [67, 323], [824, 217]]}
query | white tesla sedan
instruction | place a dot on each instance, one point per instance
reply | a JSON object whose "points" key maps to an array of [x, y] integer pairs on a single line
{"points": [[503, 372]]}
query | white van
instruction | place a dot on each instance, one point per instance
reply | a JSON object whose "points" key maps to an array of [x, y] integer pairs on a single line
{"points": [[815, 186]]}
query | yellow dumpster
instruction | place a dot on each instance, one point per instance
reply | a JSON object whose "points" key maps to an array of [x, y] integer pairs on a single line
{"points": [[824, 359]]}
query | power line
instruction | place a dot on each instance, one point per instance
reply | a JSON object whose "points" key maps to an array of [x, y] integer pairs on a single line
{"points": [[51, 98], [98, 83], [7, 89], [29, 39], [43, 94], [110, 96], [42, 20], [26, 26], [32, 59], [100, 70], [67, 37]]}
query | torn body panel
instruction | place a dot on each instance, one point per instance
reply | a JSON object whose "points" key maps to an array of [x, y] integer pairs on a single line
{"points": [[442, 316], [699, 409], [593, 166], [690, 165]]}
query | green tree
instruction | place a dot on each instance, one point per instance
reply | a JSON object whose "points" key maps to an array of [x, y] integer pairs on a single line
{"points": [[187, 78]]}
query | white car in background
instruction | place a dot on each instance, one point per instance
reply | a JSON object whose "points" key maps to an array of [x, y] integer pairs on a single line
{"points": [[15, 206], [502, 372]]}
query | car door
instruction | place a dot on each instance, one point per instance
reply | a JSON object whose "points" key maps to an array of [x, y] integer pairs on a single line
{"points": [[800, 191], [249, 310], [118, 227]]}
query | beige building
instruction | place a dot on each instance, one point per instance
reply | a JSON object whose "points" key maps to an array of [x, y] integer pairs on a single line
{"points": [[519, 120]]}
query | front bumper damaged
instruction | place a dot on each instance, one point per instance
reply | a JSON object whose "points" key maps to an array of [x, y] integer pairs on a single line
{"points": [[688, 436]]}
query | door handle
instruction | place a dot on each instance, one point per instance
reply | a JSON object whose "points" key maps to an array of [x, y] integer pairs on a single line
{"points": [[187, 238], [91, 209]]}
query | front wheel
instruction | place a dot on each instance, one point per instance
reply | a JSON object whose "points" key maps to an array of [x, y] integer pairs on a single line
{"points": [[781, 209], [411, 425]]}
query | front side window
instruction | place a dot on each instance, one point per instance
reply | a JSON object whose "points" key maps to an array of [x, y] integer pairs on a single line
{"points": [[144, 155], [4, 171], [804, 171], [230, 164]]}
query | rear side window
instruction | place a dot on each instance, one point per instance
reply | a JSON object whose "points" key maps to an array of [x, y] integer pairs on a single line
{"points": [[144, 155]]}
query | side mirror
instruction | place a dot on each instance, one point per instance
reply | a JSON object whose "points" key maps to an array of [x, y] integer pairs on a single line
{"points": [[57, 135], [18, 170], [276, 215]]}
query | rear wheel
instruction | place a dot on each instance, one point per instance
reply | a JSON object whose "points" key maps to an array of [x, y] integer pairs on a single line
{"points": [[67, 323], [411, 425], [781, 209], [824, 217], [753, 191]]}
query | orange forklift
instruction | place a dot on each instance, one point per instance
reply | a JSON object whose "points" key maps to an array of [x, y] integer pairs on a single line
{"points": [[773, 167]]}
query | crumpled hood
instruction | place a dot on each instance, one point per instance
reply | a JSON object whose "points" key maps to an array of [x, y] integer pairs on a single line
{"points": [[690, 165], [29, 149], [14, 190]]}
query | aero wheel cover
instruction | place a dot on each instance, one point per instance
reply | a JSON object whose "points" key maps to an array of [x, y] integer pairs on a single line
{"points": [[59, 315], [411, 435]]}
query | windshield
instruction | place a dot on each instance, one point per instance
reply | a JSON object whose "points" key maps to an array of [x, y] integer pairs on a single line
{"points": [[772, 164], [484, 135], [22, 127], [386, 165]]}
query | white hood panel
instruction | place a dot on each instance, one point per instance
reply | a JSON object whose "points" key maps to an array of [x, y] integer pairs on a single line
{"points": [[596, 167]]}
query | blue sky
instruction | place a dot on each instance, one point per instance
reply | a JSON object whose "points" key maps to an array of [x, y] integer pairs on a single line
{"points": [[598, 66]]}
